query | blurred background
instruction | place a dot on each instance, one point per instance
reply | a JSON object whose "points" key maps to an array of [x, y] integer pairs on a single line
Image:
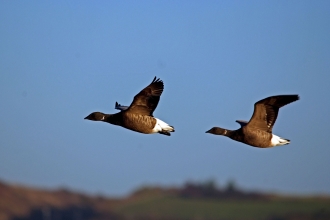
{"points": [[60, 61]]}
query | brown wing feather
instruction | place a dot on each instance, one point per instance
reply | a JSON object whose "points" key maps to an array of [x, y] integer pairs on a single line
{"points": [[146, 101], [266, 111]]}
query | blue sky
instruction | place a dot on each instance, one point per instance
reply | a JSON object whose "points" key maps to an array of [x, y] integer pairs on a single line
{"points": [[60, 61]]}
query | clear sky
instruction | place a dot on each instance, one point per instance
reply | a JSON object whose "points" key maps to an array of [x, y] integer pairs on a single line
{"points": [[60, 61]]}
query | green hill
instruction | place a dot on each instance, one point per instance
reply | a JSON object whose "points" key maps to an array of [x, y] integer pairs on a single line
{"points": [[192, 201]]}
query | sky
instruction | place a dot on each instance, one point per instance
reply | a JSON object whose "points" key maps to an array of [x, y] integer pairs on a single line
{"points": [[60, 61]]}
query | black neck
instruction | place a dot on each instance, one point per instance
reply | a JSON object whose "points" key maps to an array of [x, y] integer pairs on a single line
{"points": [[114, 119]]}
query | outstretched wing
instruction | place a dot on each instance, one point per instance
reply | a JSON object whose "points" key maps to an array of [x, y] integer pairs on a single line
{"points": [[242, 122], [146, 101], [266, 111], [120, 107]]}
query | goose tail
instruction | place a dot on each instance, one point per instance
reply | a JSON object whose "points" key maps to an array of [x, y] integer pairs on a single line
{"points": [[278, 141], [163, 128]]}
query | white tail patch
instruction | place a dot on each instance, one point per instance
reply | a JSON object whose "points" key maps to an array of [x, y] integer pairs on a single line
{"points": [[278, 141], [162, 126]]}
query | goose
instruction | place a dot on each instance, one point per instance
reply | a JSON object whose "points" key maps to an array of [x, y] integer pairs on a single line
{"points": [[139, 115], [258, 131]]}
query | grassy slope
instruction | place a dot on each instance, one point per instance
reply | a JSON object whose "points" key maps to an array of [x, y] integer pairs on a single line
{"points": [[179, 208], [162, 204]]}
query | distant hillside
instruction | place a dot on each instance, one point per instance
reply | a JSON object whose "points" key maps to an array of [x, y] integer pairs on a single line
{"points": [[191, 201], [17, 203]]}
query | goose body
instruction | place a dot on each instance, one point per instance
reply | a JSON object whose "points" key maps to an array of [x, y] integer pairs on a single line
{"points": [[139, 115], [258, 131]]}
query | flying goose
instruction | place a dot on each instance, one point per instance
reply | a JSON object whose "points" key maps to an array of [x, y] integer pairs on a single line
{"points": [[258, 131], [139, 115]]}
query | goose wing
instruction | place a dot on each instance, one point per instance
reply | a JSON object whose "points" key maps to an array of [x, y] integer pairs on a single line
{"points": [[146, 101], [120, 107], [266, 111], [242, 122]]}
